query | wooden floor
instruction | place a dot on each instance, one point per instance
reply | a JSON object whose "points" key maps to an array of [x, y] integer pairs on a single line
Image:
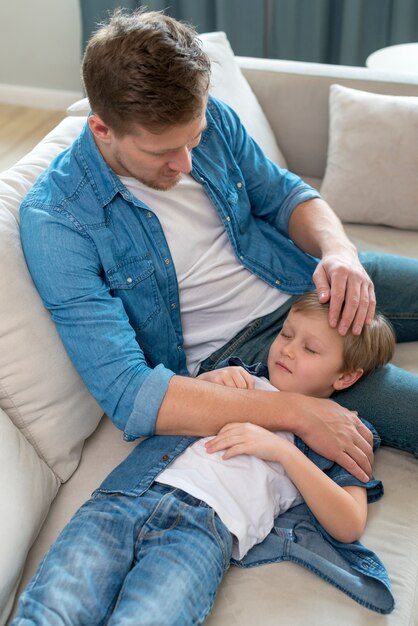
{"points": [[21, 128]]}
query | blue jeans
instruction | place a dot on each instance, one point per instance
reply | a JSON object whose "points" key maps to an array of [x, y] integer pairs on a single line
{"points": [[155, 559], [388, 398]]}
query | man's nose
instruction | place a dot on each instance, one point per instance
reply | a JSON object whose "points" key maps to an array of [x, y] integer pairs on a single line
{"points": [[181, 161]]}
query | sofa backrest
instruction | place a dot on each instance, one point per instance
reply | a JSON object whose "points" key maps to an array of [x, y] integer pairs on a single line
{"points": [[294, 96]]}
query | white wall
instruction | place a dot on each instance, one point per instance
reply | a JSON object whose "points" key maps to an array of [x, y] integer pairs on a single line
{"points": [[40, 48]]}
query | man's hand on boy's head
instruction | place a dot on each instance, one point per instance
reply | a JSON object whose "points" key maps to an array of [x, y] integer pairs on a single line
{"points": [[233, 376], [341, 279]]}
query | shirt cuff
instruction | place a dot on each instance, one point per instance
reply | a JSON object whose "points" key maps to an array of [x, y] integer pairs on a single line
{"points": [[141, 422]]}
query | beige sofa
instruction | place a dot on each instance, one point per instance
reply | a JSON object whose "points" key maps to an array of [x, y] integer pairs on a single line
{"points": [[46, 414]]}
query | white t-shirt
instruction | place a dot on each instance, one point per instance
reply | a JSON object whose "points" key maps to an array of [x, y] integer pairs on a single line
{"points": [[246, 492], [218, 295]]}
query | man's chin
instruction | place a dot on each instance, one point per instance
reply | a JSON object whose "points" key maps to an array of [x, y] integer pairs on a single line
{"points": [[164, 183]]}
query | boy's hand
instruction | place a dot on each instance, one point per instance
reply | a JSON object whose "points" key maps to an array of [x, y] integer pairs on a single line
{"points": [[233, 376], [246, 438]]}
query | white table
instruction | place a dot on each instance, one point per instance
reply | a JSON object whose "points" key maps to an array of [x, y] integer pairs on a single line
{"points": [[400, 58]]}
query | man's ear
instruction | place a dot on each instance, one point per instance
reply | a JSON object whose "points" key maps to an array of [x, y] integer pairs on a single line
{"points": [[100, 130], [346, 379]]}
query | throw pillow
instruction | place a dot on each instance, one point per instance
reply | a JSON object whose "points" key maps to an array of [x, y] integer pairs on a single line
{"points": [[229, 85], [39, 388], [372, 163], [28, 488]]}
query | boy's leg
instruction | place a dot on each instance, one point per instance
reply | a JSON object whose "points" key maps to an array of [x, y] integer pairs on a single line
{"points": [[182, 554], [79, 579]]}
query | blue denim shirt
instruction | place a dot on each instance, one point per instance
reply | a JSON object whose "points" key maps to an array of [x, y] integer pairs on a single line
{"points": [[297, 535], [101, 263]]}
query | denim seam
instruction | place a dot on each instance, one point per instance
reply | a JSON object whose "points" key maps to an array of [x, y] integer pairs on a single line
{"points": [[211, 516]]}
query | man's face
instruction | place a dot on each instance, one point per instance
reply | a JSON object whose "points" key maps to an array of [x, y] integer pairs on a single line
{"points": [[307, 356], [156, 160]]}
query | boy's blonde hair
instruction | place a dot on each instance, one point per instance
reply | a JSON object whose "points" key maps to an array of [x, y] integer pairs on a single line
{"points": [[373, 348]]}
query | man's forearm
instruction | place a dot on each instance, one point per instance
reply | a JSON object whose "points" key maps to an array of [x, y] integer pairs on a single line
{"points": [[315, 228], [196, 407]]}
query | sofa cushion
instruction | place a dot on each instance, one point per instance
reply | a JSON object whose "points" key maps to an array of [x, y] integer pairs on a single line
{"points": [[39, 388], [372, 164], [28, 488], [228, 84]]}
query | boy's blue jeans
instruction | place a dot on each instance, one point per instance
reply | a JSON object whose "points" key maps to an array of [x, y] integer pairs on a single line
{"points": [[156, 559], [388, 398]]}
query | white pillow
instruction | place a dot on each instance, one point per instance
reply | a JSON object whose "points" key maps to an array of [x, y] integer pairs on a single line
{"points": [[372, 165], [229, 85], [39, 388], [28, 487]]}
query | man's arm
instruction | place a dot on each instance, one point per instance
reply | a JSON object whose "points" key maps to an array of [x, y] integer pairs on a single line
{"points": [[196, 407], [339, 277]]}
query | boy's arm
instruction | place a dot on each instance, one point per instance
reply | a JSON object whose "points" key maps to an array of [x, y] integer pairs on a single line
{"points": [[342, 511]]}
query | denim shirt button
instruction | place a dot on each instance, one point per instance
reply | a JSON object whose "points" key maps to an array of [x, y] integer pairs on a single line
{"points": [[167, 261], [165, 457], [149, 215], [129, 280], [228, 219], [239, 185], [278, 282], [173, 305], [241, 257]]}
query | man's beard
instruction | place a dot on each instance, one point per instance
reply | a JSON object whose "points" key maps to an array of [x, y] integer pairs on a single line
{"points": [[159, 183]]}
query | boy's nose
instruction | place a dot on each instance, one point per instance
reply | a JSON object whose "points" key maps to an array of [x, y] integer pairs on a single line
{"points": [[288, 351]]}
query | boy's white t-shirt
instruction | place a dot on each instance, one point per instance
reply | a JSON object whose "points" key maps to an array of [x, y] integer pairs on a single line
{"points": [[246, 492], [218, 295]]}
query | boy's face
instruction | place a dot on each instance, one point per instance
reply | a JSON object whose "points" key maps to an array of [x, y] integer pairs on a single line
{"points": [[307, 356]]}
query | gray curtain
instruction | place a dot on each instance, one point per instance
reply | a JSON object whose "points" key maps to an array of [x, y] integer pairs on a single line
{"points": [[323, 31]]}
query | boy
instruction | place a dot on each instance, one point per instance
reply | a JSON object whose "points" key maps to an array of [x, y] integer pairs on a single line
{"points": [[153, 549]]}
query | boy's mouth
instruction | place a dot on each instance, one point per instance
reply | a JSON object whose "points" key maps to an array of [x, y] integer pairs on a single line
{"points": [[283, 367]]}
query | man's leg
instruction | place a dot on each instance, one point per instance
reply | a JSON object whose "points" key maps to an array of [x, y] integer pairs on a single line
{"points": [[252, 344], [181, 556], [388, 398], [396, 284]]}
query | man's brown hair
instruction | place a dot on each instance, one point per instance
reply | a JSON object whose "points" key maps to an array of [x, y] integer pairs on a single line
{"points": [[373, 348], [145, 68]]}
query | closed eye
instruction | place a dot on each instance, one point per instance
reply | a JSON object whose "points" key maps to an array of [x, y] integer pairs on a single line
{"points": [[310, 350]]}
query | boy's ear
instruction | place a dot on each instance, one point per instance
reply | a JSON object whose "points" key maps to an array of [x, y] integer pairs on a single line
{"points": [[346, 379]]}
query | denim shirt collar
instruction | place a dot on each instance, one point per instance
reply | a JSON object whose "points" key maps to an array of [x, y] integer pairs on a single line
{"points": [[103, 180]]}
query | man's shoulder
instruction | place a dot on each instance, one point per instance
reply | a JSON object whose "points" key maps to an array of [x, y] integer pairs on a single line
{"points": [[73, 180], [58, 181]]}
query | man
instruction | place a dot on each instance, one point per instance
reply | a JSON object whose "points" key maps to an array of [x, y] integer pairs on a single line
{"points": [[160, 242]]}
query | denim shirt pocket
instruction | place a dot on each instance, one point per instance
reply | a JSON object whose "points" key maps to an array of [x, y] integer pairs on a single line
{"points": [[133, 281]]}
